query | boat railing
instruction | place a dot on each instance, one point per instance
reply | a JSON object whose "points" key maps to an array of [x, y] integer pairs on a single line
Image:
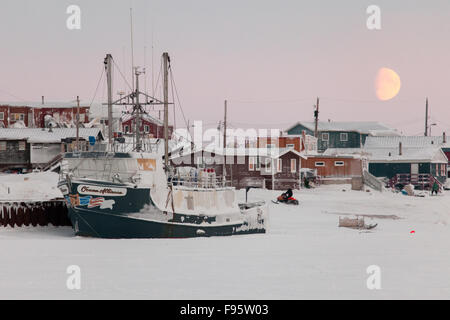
{"points": [[202, 183], [147, 145]]}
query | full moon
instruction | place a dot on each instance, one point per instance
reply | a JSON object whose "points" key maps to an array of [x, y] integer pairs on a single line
{"points": [[387, 84]]}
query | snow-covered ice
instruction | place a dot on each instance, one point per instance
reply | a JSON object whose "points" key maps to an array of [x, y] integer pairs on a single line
{"points": [[303, 256], [40, 186]]}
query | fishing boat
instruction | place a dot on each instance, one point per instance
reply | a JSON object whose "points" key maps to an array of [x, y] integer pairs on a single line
{"points": [[137, 193]]}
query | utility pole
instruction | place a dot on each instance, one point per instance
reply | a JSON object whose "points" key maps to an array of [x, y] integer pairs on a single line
{"points": [[426, 119], [166, 61], [108, 67], [78, 124], [316, 119]]}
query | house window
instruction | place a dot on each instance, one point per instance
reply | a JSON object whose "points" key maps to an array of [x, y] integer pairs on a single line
{"points": [[325, 137], [320, 164], [146, 128], [280, 165], [2, 116], [344, 136], [251, 163], [22, 145], [293, 165], [127, 128], [17, 117], [292, 146], [339, 163], [270, 146], [2, 145]]}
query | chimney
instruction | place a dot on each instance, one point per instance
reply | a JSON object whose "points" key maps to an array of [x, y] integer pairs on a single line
{"points": [[400, 149], [444, 138], [43, 100]]}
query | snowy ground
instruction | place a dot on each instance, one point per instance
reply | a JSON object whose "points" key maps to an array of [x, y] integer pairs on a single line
{"points": [[304, 256], [28, 187]]}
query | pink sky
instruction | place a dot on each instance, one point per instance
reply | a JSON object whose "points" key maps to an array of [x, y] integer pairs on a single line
{"points": [[277, 55]]}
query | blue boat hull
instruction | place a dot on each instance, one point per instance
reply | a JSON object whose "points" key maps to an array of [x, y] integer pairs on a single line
{"points": [[90, 216]]}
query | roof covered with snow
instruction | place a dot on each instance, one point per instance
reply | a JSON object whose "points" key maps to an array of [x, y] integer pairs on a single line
{"points": [[364, 127], [54, 105], [414, 149], [407, 141], [36, 135], [434, 155]]}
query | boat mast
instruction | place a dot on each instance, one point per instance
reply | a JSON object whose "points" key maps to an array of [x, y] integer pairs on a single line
{"points": [[138, 113], [108, 67], [166, 61]]}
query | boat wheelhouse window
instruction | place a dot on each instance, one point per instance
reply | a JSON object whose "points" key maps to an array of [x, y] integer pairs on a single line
{"points": [[293, 165], [339, 163], [344, 136], [320, 164], [268, 163], [251, 163], [22, 145], [325, 137], [258, 164]]}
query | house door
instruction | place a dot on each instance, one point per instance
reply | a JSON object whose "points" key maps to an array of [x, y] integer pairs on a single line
{"points": [[414, 168]]}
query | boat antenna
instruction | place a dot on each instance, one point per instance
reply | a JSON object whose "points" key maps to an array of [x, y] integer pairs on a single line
{"points": [[132, 48], [108, 69], [166, 62]]}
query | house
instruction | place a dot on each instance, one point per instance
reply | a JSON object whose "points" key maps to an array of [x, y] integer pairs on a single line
{"points": [[341, 134], [299, 143], [247, 167], [150, 125], [34, 115], [406, 157], [335, 169], [28, 148]]}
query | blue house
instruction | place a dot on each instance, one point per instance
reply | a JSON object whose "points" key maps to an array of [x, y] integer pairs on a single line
{"points": [[338, 135]]}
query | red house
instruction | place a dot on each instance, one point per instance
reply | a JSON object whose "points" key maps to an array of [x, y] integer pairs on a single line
{"points": [[149, 125], [33, 114]]}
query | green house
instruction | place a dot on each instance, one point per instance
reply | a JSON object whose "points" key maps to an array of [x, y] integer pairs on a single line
{"points": [[390, 156], [337, 135]]}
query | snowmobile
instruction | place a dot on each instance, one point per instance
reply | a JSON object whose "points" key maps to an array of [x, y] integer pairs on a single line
{"points": [[287, 198]]}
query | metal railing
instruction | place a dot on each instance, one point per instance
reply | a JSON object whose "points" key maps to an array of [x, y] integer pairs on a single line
{"points": [[424, 181]]}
